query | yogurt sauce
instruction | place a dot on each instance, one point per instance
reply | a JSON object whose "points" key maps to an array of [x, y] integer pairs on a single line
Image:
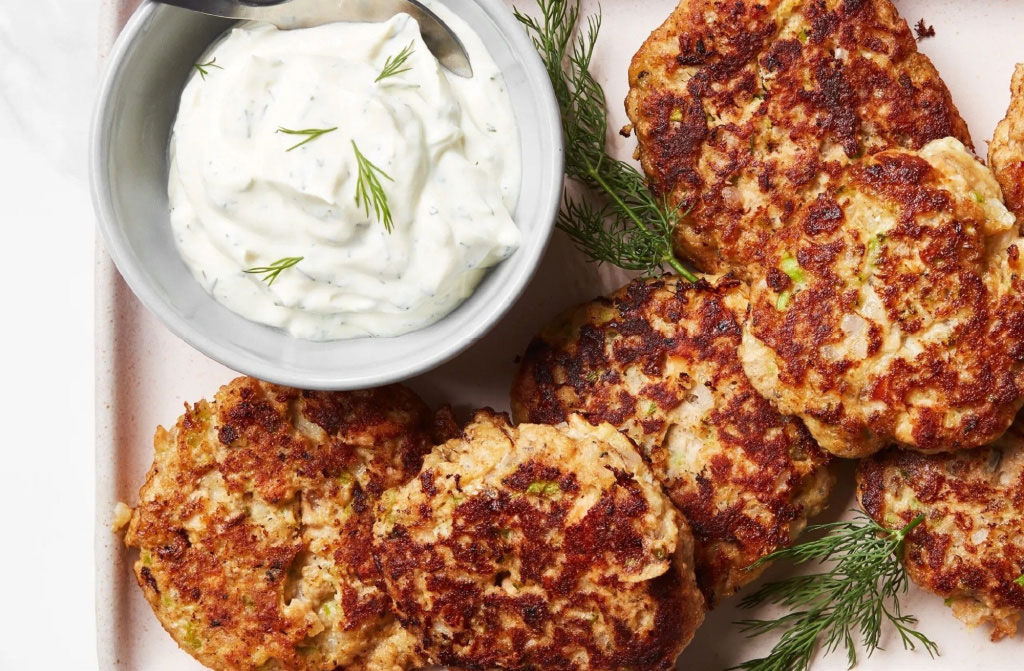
{"points": [[240, 200]]}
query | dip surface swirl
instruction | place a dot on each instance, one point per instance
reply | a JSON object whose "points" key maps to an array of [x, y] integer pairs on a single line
{"points": [[244, 196]]}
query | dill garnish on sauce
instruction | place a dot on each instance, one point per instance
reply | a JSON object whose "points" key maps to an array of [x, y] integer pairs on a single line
{"points": [[204, 68], [271, 272], [310, 133], [620, 221], [369, 189], [394, 64]]}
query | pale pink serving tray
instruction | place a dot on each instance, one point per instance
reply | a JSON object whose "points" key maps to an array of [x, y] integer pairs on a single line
{"points": [[144, 374]]}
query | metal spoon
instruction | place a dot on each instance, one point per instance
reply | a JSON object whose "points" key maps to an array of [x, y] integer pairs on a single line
{"points": [[285, 14]]}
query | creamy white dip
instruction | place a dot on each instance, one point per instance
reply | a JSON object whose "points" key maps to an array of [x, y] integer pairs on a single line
{"points": [[239, 200]]}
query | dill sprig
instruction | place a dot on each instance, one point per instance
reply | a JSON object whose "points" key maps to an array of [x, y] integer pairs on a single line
{"points": [[204, 68], [310, 133], [369, 189], [393, 65], [271, 272], [858, 593], [621, 222]]}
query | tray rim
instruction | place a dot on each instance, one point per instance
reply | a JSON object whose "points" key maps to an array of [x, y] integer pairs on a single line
{"points": [[108, 553], [114, 14]]}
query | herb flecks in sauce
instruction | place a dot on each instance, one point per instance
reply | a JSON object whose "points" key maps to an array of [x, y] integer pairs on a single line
{"points": [[310, 133], [271, 272], [204, 68], [238, 199], [369, 189], [394, 64]]}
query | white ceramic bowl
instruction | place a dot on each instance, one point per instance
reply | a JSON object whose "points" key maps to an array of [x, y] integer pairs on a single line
{"points": [[135, 112]]}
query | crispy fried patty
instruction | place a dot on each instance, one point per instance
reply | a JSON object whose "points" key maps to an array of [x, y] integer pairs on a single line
{"points": [[254, 525], [892, 309], [1006, 150], [539, 547], [658, 360], [747, 109], [970, 547]]}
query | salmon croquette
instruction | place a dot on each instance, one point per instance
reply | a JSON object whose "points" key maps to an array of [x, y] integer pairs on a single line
{"points": [[746, 111], [658, 360], [550, 548], [1006, 150], [254, 526], [970, 547], [892, 309]]}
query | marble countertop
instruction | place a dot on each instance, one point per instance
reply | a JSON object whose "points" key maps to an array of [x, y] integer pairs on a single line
{"points": [[48, 74]]}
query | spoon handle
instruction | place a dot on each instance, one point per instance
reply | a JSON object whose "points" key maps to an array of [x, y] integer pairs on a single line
{"points": [[287, 14]]}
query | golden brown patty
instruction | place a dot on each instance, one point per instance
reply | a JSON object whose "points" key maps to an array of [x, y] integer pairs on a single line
{"points": [[1006, 150], [746, 109], [892, 309], [970, 547], [254, 525], [539, 547], [658, 360]]}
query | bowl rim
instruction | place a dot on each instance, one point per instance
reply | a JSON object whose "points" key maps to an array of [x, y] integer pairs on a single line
{"points": [[120, 251]]}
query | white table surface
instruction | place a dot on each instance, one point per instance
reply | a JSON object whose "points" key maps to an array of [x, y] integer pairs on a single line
{"points": [[47, 80]]}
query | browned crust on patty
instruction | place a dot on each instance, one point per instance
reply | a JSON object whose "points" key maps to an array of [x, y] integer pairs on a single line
{"points": [[245, 495], [658, 360], [516, 548], [1006, 151], [747, 109], [911, 331], [970, 548]]}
